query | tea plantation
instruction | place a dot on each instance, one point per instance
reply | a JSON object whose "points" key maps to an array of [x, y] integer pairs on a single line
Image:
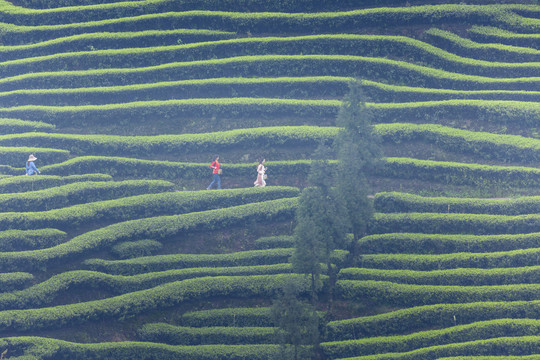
{"points": [[117, 250]]}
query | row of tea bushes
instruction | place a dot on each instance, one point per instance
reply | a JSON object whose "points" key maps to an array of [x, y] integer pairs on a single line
{"points": [[177, 335], [458, 277], [142, 301], [235, 317], [75, 20], [479, 224], [457, 334], [44, 293], [468, 48], [20, 240], [376, 46], [77, 193], [419, 318], [268, 66], [396, 202], [156, 228], [14, 281], [497, 35], [159, 145], [180, 261], [493, 260], [13, 126], [139, 206], [15, 156], [33, 348], [418, 243], [18, 184]]}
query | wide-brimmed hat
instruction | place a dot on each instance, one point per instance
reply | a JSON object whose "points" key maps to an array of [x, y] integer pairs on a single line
{"points": [[32, 158]]}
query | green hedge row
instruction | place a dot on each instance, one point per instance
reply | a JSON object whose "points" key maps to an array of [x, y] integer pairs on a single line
{"points": [[34, 348], [20, 240], [15, 156], [282, 136], [397, 93], [318, 111], [458, 173], [376, 69], [78, 193], [139, 206], [521, 345], [479, 224], [504, 259], [156, 228], [419, 318], [329, 87], [177, 335], [134, 16], [459, 277], [468, 48], [235, 317], [396, 202], [481, 145], [15, 281], [497, 35], [272, 242], [14, 126], [134, 303], [457, 334], [46, 292], [180, 261], [415, 243], [131, 249], [375, 46], [16, 184], [389, 293], [111, 40]]}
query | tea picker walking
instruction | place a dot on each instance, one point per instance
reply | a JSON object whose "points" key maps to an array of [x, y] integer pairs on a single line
{"points": [[216, 172], [260, 174], [31, 168]]}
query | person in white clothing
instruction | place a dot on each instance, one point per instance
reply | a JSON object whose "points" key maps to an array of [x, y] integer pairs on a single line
{"points": [[260, 174]]}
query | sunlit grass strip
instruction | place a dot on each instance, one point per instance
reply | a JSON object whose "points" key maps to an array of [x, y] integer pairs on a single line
{"points": [[268, 66], [44, 293], [419, 243], [457, 277], [78, 193], [157, 228], [138, 302], [457, 334], [341, 44], [394, 202]]}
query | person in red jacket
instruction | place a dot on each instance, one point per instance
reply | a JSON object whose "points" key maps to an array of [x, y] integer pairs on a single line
{"points": [[217, 172]]}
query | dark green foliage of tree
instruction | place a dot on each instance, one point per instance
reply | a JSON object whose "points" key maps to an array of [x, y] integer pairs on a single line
{"points": [[358, 151], [297, 324], [321, 222]]}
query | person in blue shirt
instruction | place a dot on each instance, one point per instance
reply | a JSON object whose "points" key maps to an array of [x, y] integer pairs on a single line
{"points": [[31, 168]]}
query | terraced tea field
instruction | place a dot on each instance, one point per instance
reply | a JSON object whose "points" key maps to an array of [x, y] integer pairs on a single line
{"points": [[117, 251]]}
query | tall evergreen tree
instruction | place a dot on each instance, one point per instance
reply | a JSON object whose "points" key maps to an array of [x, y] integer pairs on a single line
{"points": [[358, 151], [321, 222], [297, 324]]}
